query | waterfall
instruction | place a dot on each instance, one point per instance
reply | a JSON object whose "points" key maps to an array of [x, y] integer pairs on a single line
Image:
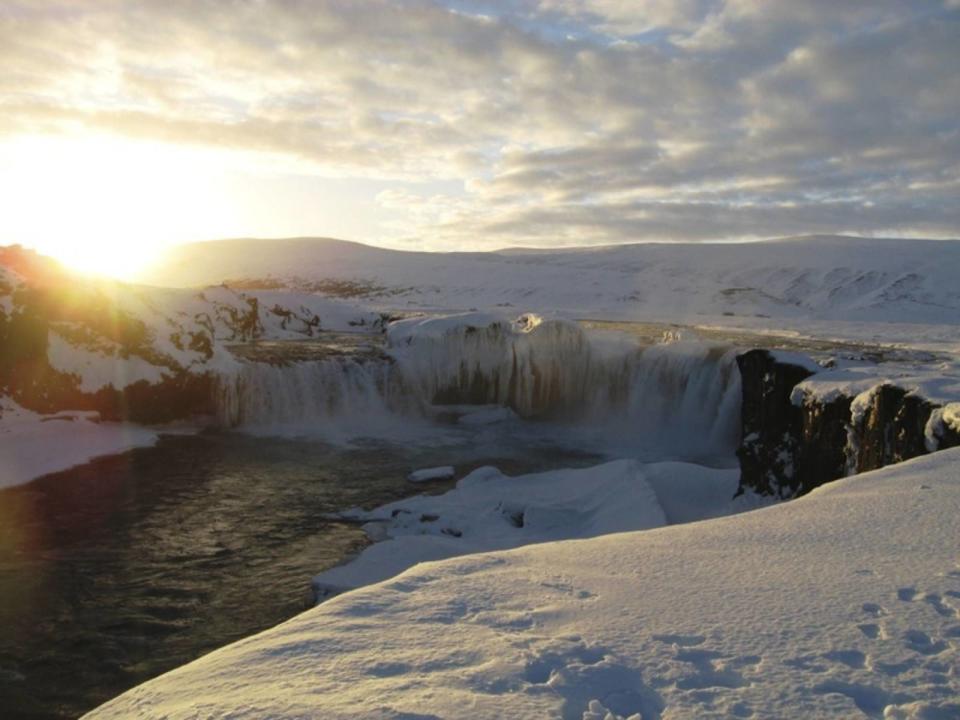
{"points": [[314, 394], [686, 395], [687, 392]]}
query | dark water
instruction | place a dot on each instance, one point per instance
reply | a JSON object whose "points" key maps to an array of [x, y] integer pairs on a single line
{"points": [[115, 572]]}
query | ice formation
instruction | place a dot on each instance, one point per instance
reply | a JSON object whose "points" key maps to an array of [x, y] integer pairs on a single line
{"points": [[536, 368]]}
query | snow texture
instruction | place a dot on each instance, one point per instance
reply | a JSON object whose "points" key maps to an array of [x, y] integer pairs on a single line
{"points": [[844, 603], [99, 369]]}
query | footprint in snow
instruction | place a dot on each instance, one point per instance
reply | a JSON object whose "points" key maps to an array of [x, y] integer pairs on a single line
{"points": [[907, 594], [920, 642], [853, 659], [568, 589], [934, 600], [593, 683], [710, 670], [868, 699], [937, 603], [873, 630], [873, 610]]}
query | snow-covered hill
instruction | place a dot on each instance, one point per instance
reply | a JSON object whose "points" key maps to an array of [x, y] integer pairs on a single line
{"points": [[822, 277], [842, 604]]}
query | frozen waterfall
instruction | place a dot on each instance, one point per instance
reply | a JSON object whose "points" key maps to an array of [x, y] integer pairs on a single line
{"points": [[549, 369]]}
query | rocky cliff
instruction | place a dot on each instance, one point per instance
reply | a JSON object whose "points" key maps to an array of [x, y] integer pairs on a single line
{"points": [[796, 441]]}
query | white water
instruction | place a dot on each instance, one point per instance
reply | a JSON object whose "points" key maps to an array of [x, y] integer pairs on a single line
{"points": [[682, 395]]}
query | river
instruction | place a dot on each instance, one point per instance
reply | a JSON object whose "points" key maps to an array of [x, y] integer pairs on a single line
{"points": [[122, 569]]}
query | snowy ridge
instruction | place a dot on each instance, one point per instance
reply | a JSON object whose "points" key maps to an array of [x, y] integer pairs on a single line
{"points": [[839, 278], [105, 333], [844, 603]]}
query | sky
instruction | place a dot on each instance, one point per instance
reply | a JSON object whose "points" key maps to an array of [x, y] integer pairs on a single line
{"points": [[126, 126]]}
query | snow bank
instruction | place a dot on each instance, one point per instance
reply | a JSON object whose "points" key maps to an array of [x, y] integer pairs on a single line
{"points": [[404, 332], [937, 382], [951, 416], [491, 511], [942, 419], [794, 358], [32, 445], [844, 603]]}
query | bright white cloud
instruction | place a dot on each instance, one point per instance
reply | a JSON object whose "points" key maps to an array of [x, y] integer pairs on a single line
{"points": [[548, 121]]}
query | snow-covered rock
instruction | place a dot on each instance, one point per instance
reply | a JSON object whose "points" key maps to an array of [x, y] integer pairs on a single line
{"points": [[491, 511], [805, 425]]}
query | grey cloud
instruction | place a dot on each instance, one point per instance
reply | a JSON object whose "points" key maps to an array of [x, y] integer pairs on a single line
{"points": [[611, 223], [725, 118]]}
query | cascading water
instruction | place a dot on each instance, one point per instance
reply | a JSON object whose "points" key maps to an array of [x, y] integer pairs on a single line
{"points": [[314, 394], [672, 393], [686, 396]]}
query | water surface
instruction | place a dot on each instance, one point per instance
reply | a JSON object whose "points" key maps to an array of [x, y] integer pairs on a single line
{"points": [[120, 570]]}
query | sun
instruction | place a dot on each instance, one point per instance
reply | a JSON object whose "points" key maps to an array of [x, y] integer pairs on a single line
{"points": [[108, 205]]}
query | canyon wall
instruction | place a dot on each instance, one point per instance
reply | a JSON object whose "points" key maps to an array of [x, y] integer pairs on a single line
{"points": [[794, 441]]}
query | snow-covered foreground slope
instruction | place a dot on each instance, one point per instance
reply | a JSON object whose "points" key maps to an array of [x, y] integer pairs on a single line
{"points": [[832, 278], [845, 603]]}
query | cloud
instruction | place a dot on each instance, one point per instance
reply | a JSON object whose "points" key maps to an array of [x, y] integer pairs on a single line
{"points": [[597, 120]]}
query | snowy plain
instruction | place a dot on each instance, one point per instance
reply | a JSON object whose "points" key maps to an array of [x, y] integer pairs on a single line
{"points": [[846, 287]]}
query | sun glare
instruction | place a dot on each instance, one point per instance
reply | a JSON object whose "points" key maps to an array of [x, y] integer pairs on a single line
{"points": [[106, 205]]}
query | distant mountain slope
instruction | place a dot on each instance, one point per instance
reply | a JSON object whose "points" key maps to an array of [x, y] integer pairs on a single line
{"points": [[839, 278]]}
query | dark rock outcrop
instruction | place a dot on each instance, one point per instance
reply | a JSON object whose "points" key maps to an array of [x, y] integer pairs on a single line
{"points": [[772, 426], [822, 455], [789, 448], [888, 429]]}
